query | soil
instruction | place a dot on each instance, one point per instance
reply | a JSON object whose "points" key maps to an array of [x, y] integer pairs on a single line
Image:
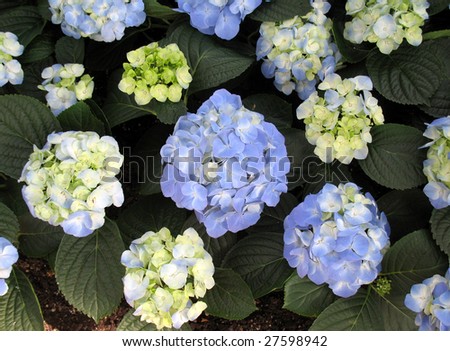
{"points": [[59, 315]]}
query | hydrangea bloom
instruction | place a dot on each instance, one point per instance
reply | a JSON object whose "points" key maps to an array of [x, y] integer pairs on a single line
{"points": [[386, 22], [220, 17], [431, 301], [155, 72], [8, 256], [339, 123], [71, 180], [298, 52], [224, 162], [337, 237], [10, 69], [100, 20], [63, 87], [437, 165], [163, 274]]}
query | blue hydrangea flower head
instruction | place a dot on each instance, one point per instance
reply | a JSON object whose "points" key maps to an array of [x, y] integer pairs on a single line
{"points": [[437, 165], [220, 17], [224, 162], [164, 273], [299, 52], [8, 256], [338, 237], [431, 301], [72, 179], [386, 23], [10, 69], [100, 20]]}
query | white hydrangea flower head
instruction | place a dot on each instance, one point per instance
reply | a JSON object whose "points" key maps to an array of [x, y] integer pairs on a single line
{"points": [[72, 179], [164, 274], [65, 86], [10, 69], [437, 165], [100, 20], [339, 123], [386, 23], [298, 52], [8, 256]]}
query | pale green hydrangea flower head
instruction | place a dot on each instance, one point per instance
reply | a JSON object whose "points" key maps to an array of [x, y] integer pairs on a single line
{"points": [[154, 72], [65, 86], [72, 179], [164, 274], [339, 123], [386, 22]]}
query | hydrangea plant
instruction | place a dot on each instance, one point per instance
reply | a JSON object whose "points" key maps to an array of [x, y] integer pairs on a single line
{"points": [[338, 237], [224, 162], [10, 69], [220, 17], [8, 256], [431, 301], [298, 52], [437, 165], [339, 123], [100, 20], [65, 86], [154, 72], [71, 180], [164, 274], [386, 22]]}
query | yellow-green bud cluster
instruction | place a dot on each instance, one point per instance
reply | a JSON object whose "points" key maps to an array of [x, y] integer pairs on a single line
{"points": [[163, 273], [154, 72], [386, 22], [339, 123]]}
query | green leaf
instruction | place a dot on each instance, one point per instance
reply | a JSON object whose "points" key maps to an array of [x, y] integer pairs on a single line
{"points": [[275, 110], [211, 63], [19, 308], [69, 50], [279, 10], [120, 107], [409, 75], [440, 101], [32, 78], [11, 196], [272, 218], [217, 247], [406, 211], [38, 238], [351, 52], [24, 122], [439, 48], [40, 48], [89, 272], [440, 227], [394, 159], [359, 312], [444, 33], [147, 159], [150, 213], [6, 4], [411, 260], [133, 323], [23, 21], [9, 225], [305, 298], [79, 117], [154, 9], [437, 6], [258, 258], [231, 297]]}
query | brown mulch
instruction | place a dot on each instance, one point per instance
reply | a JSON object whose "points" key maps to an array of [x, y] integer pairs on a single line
{"points": [[59, 315]]}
